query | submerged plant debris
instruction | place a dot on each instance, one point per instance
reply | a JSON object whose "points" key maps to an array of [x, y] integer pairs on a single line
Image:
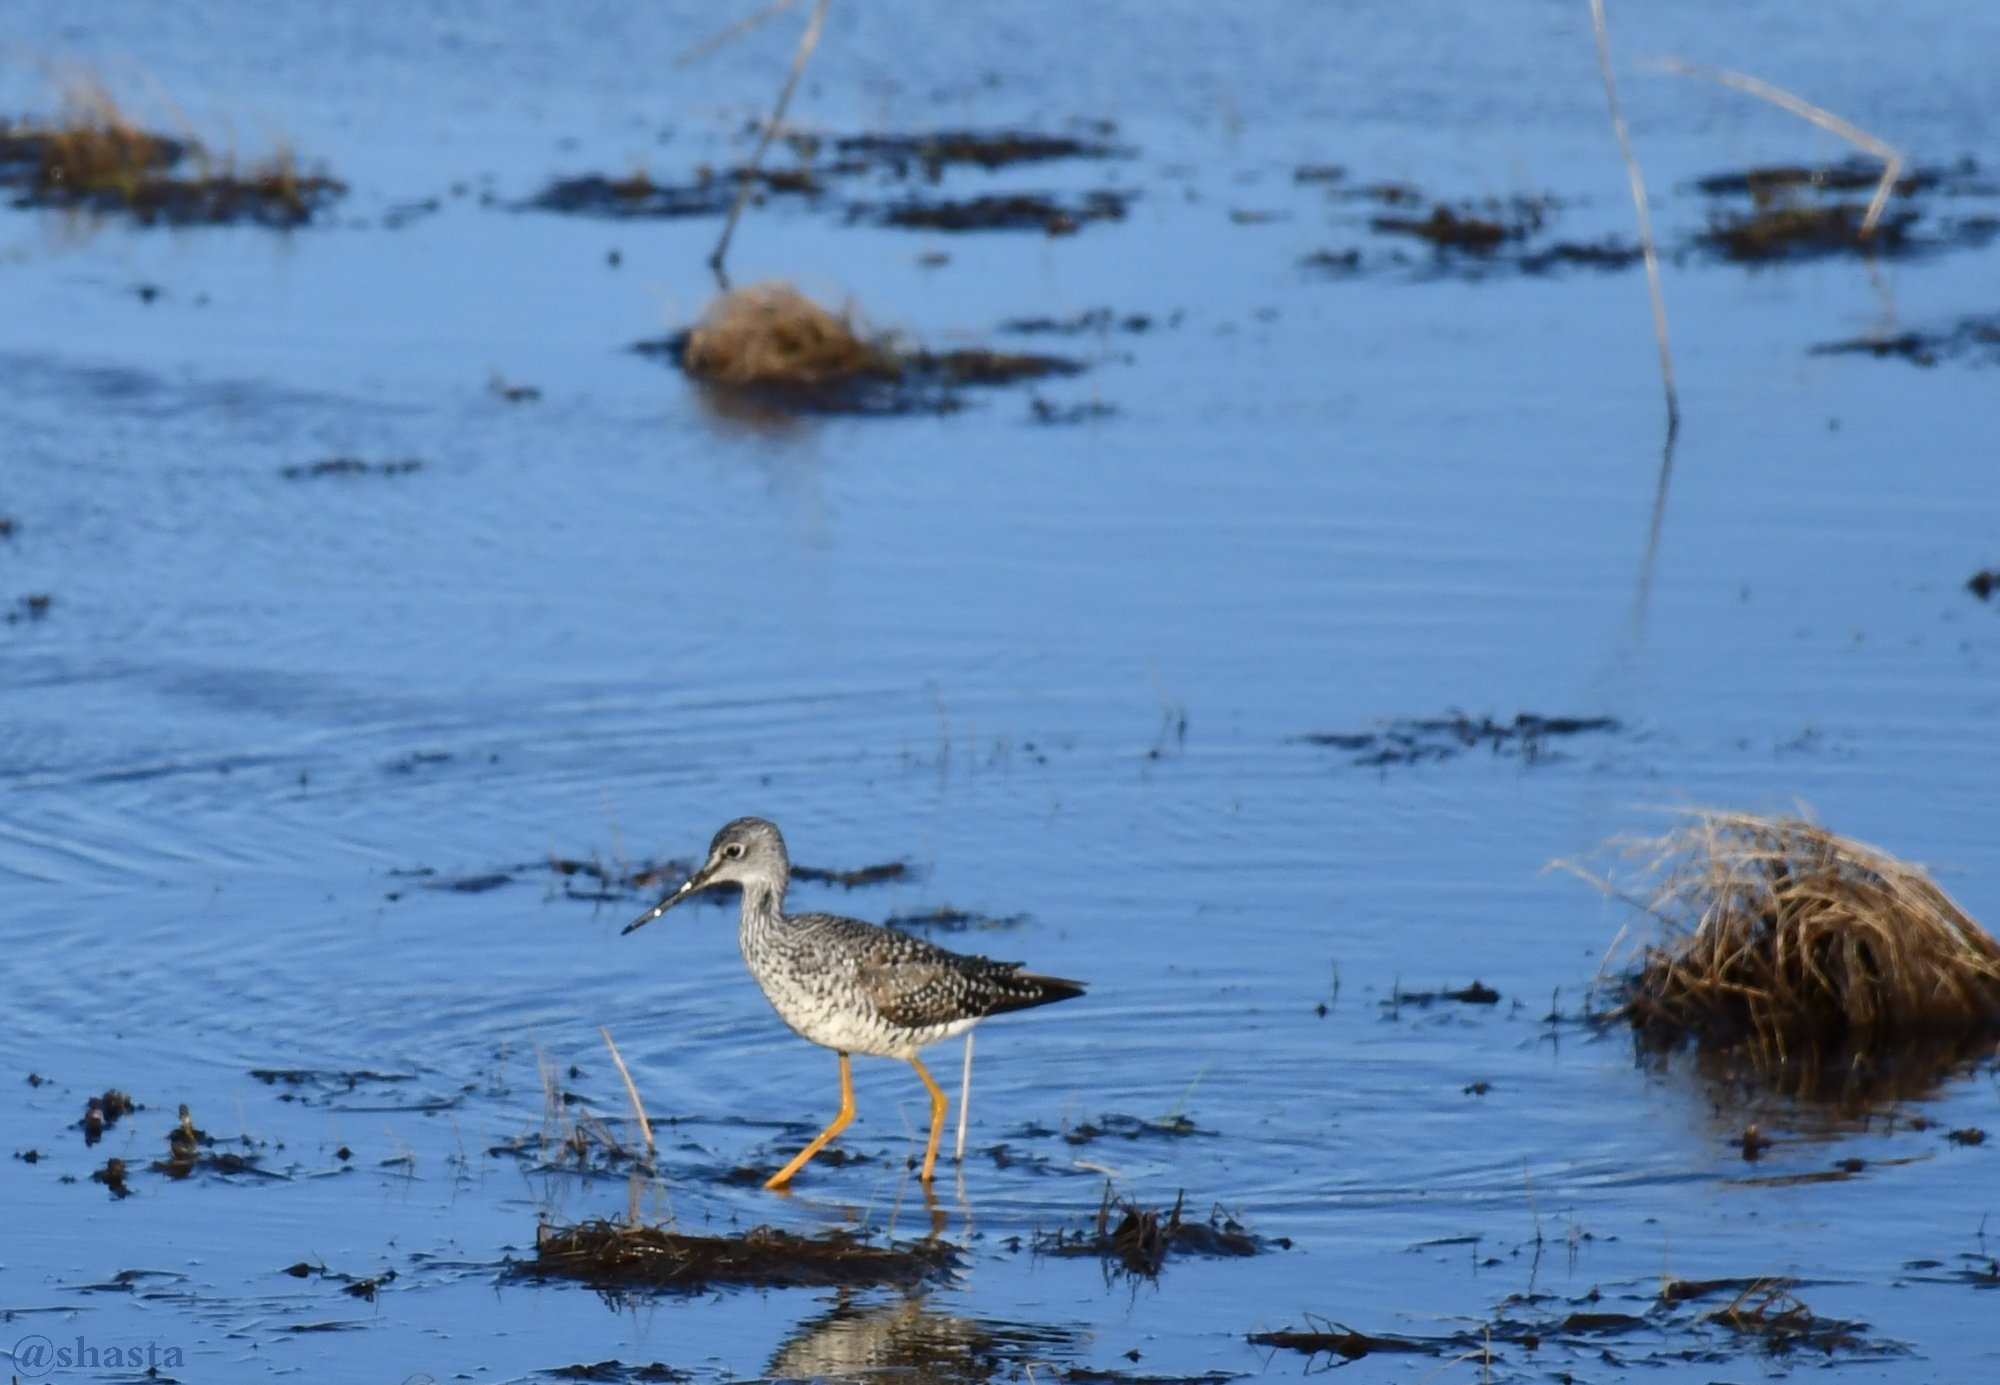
{"points": [[1975, 337], [621, 1255], [1002, 211], [1763, 1315], [1477, 993], [100, 1113], [772, 343], [92, 156], [1411, 741], [822, 164], [1788, 212], [1792, 942], [1139, 1241], [350, 466]]}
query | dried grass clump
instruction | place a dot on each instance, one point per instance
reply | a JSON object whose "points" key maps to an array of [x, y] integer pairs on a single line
{"points": [[91, 155], [770, 334], [92, 145], [1781, 934]]}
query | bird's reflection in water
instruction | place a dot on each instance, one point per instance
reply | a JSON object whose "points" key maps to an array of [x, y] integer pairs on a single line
{"points": [[919, 1344]]}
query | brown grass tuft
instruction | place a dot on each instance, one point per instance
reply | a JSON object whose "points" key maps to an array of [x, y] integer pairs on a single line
{"points": [[93, 146], [92, 155], [1778, 933], [770, 334]]}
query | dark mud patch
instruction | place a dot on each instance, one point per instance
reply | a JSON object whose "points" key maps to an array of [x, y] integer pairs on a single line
{"points": [[612, 1255], [1975, 338], [1136, 1240], [1048, 213], [349, 466], [1528, 736]]}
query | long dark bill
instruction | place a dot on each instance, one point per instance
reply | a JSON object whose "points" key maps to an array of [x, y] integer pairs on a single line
{"points": [[688, 886]]}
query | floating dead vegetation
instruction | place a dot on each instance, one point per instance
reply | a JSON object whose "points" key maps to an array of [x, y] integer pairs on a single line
{"points": [[930, 153], [1450, 229], [1412, 741], [1797, 960], [1117, 1126], [823, 164], [620, 1255], [112, 1176], [1089, 322], [1773, 1316], [1506, 235], [1139, 1241], [92, 156], [1325, 1337], [100, 1113], [770, 343], [190, 1151], [1790, 212], [1798, 231], [636, 196], [349, 466], [1477, 993], [1974, 337], [616, 1372], [1049, 213], [945, 919], [1682, 1322]]}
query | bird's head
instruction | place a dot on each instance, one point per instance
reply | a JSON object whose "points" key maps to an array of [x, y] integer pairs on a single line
{"points": [[747, 852]]}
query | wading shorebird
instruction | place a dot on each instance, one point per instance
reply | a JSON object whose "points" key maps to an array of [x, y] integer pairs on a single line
{"points": [[850, 986]]}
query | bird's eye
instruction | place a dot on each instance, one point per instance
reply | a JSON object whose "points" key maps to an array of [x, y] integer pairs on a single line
{"points": [[733, 850]]}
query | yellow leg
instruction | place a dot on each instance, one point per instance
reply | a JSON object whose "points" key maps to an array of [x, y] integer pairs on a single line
{"points": [[938, 1104], [784, 1175]]}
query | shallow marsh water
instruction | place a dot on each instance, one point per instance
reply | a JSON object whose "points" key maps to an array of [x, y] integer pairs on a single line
{"points": [[259, 708]]}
